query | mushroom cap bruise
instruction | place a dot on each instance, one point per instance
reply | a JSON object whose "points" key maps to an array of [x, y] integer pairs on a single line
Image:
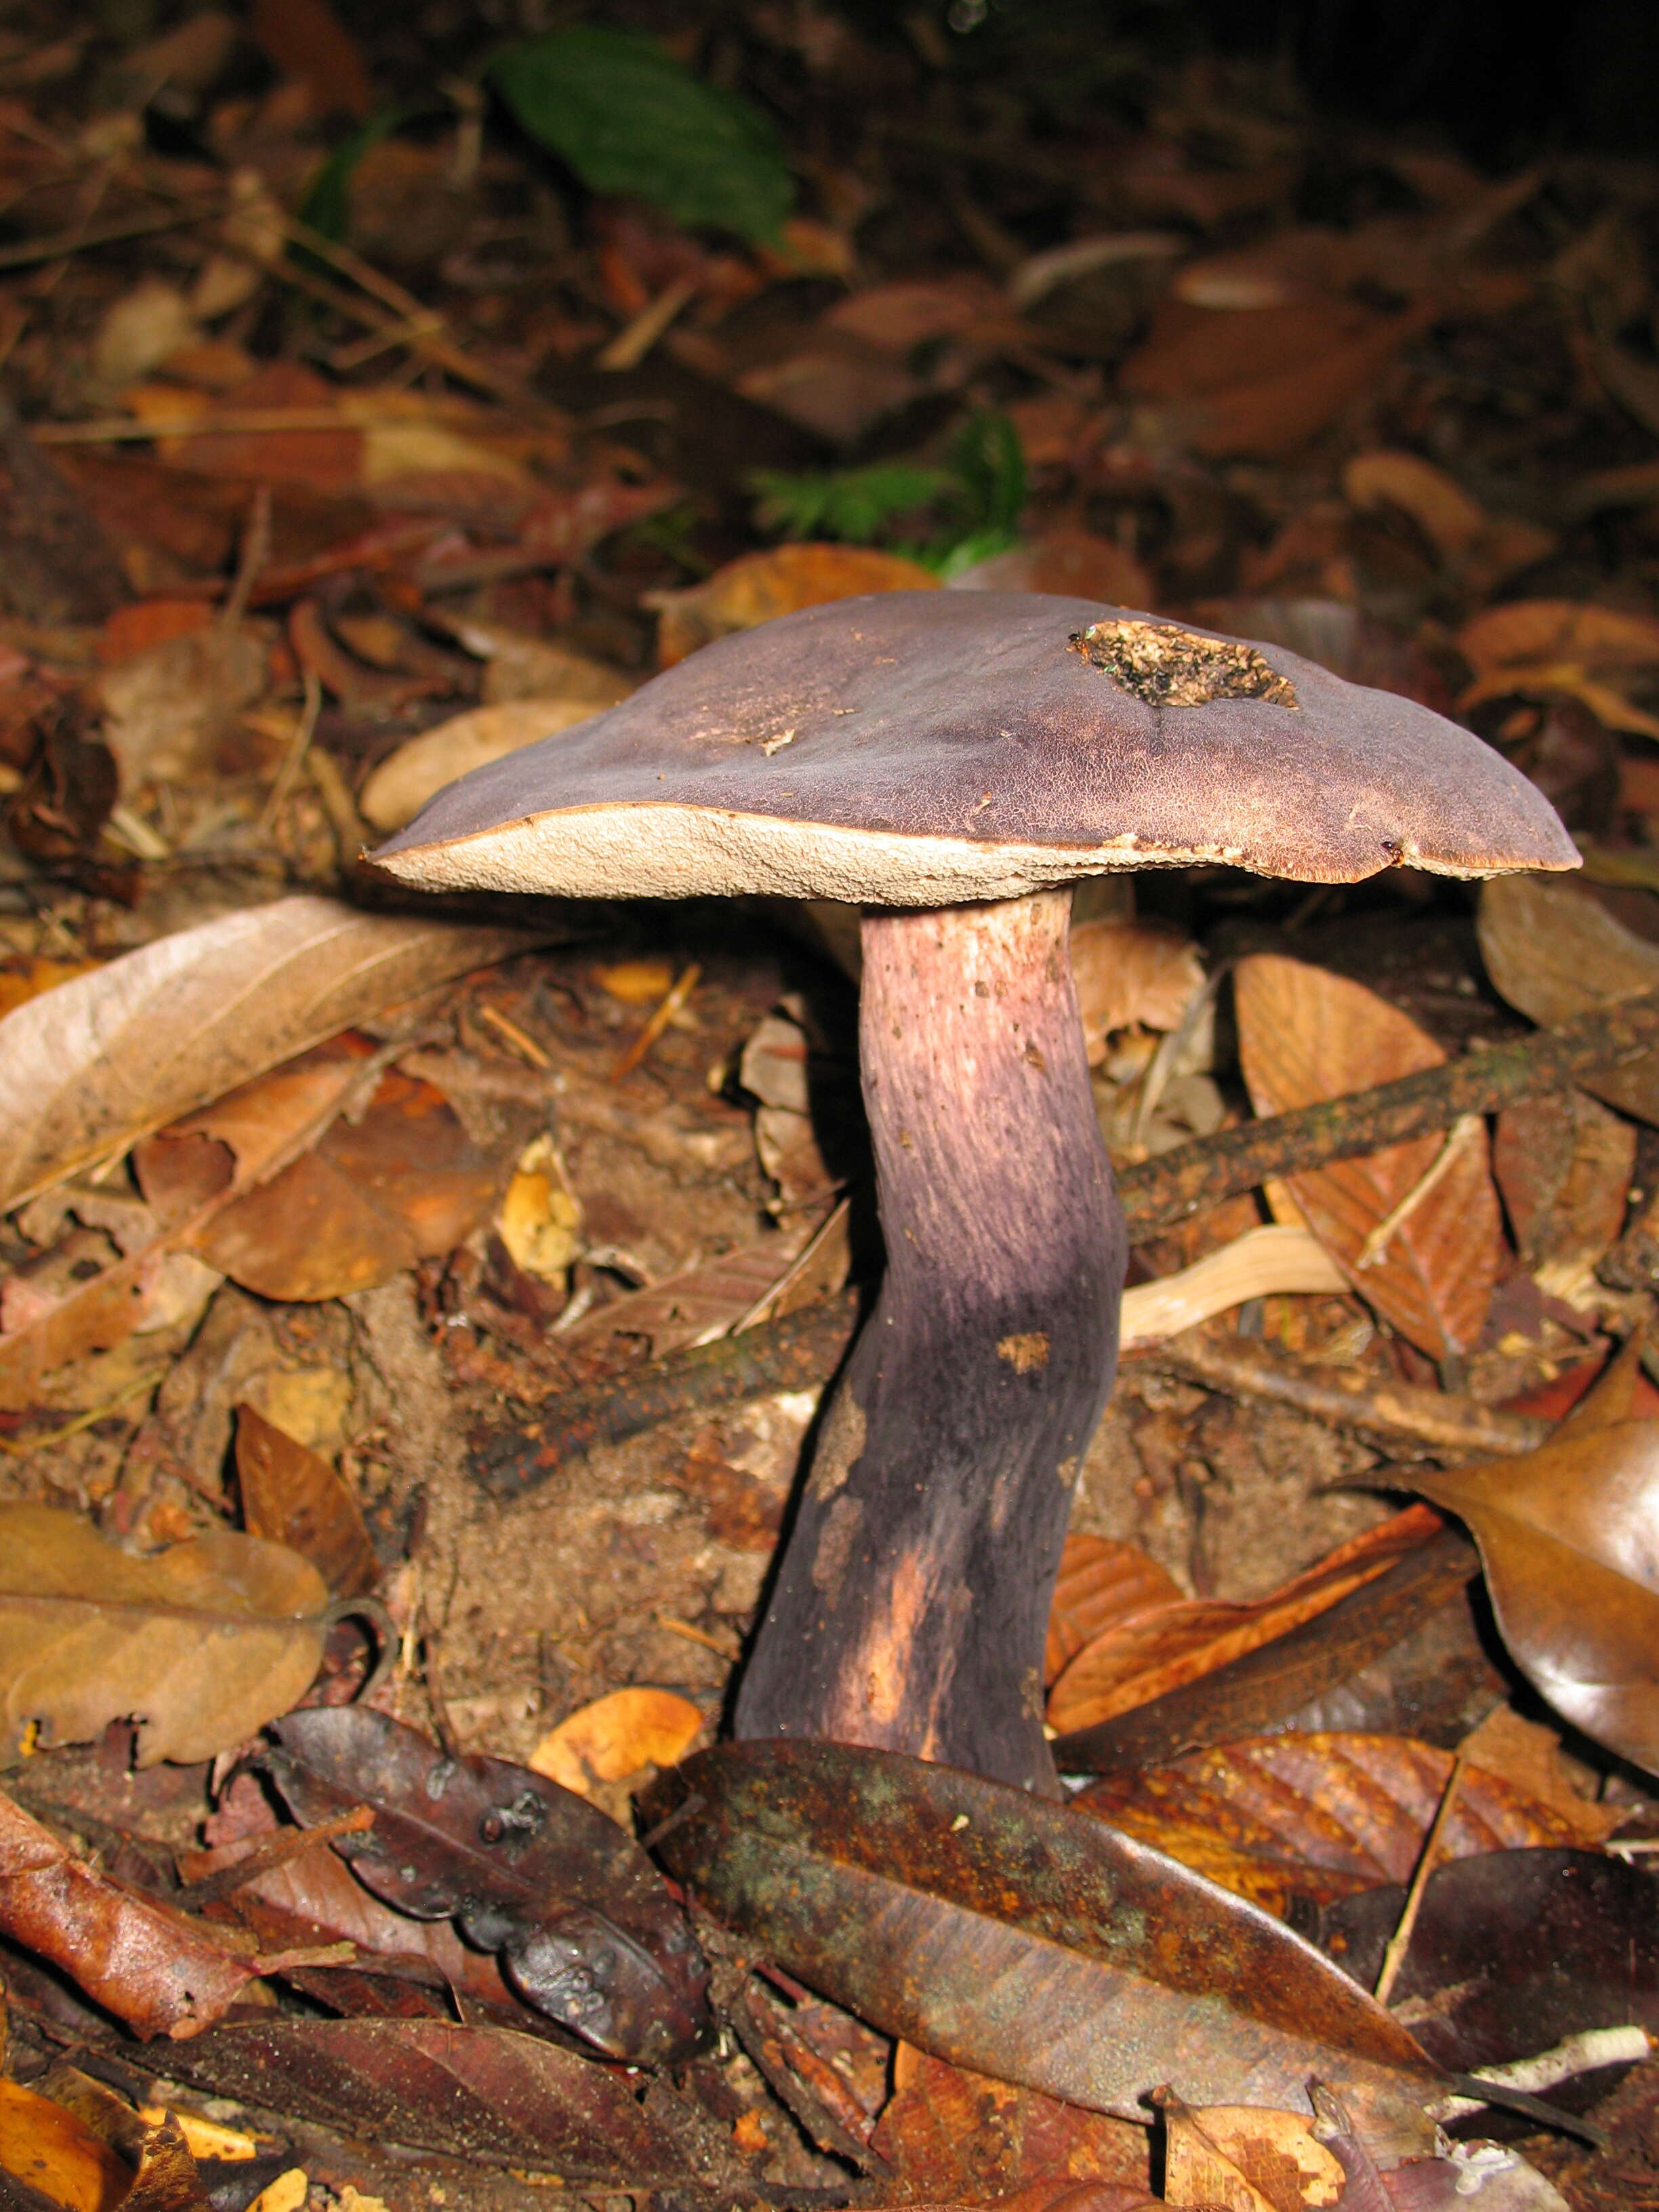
{"points": [[923, 749]]}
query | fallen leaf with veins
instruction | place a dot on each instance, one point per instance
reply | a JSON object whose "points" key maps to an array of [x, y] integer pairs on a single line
{"points": [[201, 1644], [82, 1071]]}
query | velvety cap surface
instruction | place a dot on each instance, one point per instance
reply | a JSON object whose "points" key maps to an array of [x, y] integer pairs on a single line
{"points": [[916, 749]]}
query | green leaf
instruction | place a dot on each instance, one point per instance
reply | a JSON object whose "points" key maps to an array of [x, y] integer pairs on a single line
{"points": [[974, 501], [628, 117], [853, 505]]}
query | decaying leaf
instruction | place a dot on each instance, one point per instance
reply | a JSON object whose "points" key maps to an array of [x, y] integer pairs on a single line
{"points": [[1554, 950], [1605, 640], [1563, 1163], [1020, 1939], [1245, 2158], [758, 587], [1316, 1817], [374, 1193], [956, 2137], [617, 1735], [1569, 1539], [1513, 1951], [588, 1931], [1131, 971], [1146, 1654], [1307, 1035], [291, 1494], [201, 1644], [312, 1901], [80, 1072], [475, 2092], [154, 1968]]}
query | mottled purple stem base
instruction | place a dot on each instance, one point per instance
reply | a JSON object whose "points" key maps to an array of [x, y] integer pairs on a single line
{"points": [[911, 1604]]}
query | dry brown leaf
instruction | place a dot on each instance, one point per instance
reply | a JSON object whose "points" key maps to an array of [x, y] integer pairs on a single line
{"points": [[83, 1071], [1131, 972], [616, 1735], [150, 1965], [1593, 638], [520, 665], [201, 1644], [1545, 679], [1306, 1034], [1528, 1757], [959, 2138], [1146, 1654], [291, 1495], [701, 1303], [400, 786], [1262, 380], [1100, 1582], [1245, 2158], [166, 708], [1554, 950], [758, 587], [1563, 1163], [1451, 521], [369, 1196], [1319, 1816], [1569, 1540]]}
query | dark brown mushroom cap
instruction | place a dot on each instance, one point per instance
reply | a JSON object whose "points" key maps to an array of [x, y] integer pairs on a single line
{"points": [[917, 749]]}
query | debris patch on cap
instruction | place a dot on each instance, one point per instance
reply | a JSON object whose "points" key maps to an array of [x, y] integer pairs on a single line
{"points": [[1163, 666]]}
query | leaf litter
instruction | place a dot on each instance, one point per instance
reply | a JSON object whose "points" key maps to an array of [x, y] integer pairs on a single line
{"points": [[351, 447]]}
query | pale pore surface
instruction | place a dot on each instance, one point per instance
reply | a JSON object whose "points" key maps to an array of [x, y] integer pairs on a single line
{"points": [[669, 851]]}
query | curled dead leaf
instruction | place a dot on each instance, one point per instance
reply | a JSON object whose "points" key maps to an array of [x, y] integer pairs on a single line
{"points": [[1145, 1655], [81, 1076]]}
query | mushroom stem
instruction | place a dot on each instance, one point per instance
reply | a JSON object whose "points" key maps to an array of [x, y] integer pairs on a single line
{"points": [[911, 1604]]}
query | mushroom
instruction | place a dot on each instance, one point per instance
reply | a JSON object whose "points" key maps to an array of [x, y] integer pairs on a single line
{"points": [[953, 763]]}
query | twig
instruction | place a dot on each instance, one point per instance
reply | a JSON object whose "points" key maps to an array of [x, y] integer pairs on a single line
{"points": [[1435, 1421], [277, 1851], [60, 244], [299, 745], [526, 1046], [635, 339], [1162, 1192], [796, 1353], [252, 559], [1400, 1942], [683, 986]]}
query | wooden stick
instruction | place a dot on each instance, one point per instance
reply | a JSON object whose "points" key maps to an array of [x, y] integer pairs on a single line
{"points": [[1400, 1942], [1160, 1193]]}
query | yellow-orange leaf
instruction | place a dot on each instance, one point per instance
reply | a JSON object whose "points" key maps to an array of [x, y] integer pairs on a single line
{"points": [[616, 1735]]}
